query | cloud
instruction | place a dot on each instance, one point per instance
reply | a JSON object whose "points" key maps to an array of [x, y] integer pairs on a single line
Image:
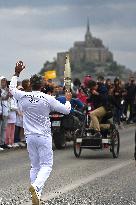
{"points": [[43, 3], [126, 58], [36, 30], [118, 39]]}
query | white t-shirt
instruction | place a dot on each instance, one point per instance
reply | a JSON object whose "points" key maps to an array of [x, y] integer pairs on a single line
{"points": [[36, 107], [19, 117], [12, 117], [12, 104], [5, 107]]}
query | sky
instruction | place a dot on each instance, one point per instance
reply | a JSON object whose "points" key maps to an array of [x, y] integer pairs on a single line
{"points": [[35, 30]]}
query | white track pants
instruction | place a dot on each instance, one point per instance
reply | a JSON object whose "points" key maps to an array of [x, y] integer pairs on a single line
{"points": [[41, 157]]}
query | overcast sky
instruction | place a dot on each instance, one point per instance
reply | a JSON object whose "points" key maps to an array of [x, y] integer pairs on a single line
{"points": [[35, 30]]}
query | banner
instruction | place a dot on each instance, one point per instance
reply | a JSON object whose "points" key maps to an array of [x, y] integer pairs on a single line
{"points": [[51, 74]]}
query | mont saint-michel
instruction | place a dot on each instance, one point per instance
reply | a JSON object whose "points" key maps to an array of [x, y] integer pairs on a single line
{"points": [[91, 50], [90, 56]]}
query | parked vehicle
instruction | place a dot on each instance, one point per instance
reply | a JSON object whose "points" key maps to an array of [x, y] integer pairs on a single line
{"points": [[63, 128]]}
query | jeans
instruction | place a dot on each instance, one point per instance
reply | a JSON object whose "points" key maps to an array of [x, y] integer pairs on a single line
{"points": [[3, 125], [17, 134], [129, 104], [117, 115]]}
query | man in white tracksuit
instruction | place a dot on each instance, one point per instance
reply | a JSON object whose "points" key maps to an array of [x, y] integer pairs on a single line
{"points": [[37, 127]]}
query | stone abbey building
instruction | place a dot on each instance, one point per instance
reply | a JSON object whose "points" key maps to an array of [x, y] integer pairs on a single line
{"points": [[91, 50]]}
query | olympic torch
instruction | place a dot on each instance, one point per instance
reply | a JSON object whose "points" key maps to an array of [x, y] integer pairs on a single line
{"points": [[67, 74]]}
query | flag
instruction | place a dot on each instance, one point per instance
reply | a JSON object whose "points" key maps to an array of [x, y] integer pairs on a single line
{"points": [[51, 74]]}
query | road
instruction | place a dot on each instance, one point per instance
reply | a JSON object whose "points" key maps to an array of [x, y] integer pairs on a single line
{"points": [[95, 178]]}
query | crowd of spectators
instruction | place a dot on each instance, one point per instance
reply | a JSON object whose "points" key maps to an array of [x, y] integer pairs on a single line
{"points": [[11, 115], [124, 94]]}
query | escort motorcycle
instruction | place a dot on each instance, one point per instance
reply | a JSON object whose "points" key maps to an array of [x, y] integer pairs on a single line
{"points": [[64, 127]]}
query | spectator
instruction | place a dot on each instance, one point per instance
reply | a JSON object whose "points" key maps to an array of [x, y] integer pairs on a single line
{"points": [[76, 85], [130, 98], [26, 85], [48, 90], [83, 91], [102, 88], [117, 94], [1, 149], [19, 130], [108, 83], [5, 110], [11, 121], [58, 90]]}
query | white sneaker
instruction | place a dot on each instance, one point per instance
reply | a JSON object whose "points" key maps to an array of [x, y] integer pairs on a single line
{"points": [[9, 146], [1, 149], [35, 195], [15, 145]]}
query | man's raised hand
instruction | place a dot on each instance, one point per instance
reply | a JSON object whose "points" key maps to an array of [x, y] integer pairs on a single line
{"points": [[19, 67]]}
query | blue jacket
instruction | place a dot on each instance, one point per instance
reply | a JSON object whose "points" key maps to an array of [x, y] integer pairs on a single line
{"points": [[76, 104]]}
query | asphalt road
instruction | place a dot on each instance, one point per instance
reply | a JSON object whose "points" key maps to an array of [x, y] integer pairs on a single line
{"points": [[95, 178]]}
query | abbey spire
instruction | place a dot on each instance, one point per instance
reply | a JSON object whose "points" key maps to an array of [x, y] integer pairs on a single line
{"points": [[88, 26], [90, 50], [88, 36]]}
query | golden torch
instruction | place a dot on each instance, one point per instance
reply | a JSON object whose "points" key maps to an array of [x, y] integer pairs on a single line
{"points": [[67, 74]]}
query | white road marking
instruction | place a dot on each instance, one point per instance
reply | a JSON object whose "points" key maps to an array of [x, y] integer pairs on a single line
{"points": [[85, 180]]}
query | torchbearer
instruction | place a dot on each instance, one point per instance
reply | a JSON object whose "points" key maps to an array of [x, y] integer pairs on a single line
{"points": [[36, 107]]}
